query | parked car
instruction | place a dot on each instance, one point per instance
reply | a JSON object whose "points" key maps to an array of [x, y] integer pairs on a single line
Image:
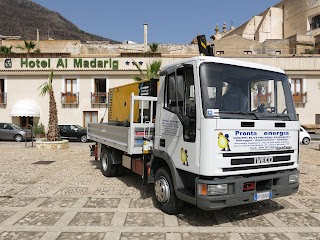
{"points": [[73, 132], [11, 131], [304, 136]]}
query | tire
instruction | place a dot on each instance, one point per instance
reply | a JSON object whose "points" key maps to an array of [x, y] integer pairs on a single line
{"points": [[84, 138], [18, 138], [164, 192], [306, 141], [107, 168]]}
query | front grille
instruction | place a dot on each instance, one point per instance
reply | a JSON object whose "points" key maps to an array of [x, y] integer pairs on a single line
{"points": [[242, 161], [244, 154], [233, 169]]}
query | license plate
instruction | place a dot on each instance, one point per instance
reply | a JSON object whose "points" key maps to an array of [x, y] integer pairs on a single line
{"points": [[262, 196]]}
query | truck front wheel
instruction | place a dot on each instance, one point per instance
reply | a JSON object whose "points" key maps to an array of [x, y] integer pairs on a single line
{"points": [[108, 169], [164, 192]]}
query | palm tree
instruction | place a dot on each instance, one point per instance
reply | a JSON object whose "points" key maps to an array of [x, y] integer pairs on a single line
{"points": [[29, 47], [153, 47], [152, 71], [53, 129], [6, 50]]}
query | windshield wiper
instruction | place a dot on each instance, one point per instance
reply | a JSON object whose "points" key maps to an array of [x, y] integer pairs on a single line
{"points": [[241, 113]]}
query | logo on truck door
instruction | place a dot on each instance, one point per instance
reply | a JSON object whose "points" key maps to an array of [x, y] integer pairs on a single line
{"points": [[223, 142], [263, 159]]}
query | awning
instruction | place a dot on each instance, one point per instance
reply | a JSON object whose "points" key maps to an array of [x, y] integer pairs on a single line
{"points": [[25, 108]]}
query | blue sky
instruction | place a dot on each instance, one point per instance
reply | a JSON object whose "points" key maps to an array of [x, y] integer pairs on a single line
{"points": [[169, 21]]}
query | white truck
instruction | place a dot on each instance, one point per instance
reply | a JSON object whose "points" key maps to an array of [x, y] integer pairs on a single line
{"points": [[217, 133]]}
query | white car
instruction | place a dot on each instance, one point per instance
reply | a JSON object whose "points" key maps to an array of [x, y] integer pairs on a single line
{"points": [[304, 136]]}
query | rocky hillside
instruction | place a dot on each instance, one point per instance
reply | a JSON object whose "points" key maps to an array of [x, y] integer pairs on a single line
{"points": [[23, 17]]}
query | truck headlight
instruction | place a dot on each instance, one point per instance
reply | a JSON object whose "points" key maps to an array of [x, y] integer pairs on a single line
{"points": [[217, 189], [293, 178]]}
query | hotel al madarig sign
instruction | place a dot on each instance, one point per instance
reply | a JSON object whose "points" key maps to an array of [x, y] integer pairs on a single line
{"points": [[61, 63]]}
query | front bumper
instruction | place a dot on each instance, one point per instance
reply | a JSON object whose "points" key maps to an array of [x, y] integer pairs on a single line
{"points": [[278, 183]]}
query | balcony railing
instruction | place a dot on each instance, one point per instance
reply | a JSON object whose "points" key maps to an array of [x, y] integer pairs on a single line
{"points": [[99, 98], [299, 97], [3, 98], [69, 98]]}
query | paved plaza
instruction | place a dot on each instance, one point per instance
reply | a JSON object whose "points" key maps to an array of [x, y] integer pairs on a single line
{"points": [[61, 194]]}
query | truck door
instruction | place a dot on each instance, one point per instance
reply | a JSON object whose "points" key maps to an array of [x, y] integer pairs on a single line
{"points": [[178, 119]]}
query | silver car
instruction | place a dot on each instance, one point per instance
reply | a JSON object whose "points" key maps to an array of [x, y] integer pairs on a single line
{"points": [[10, 131]]}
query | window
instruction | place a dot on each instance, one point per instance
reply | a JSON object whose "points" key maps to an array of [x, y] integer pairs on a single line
{"points": [[89, 117], [317, 118], [220, 53], [26, 121], [297, 90], [70, 96], [99, 95], [180, 99], [2, 92], [234, 92], [315, 22]]}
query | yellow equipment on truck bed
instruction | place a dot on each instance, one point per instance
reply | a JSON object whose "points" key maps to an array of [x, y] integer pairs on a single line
{"points": [[119, 99]]}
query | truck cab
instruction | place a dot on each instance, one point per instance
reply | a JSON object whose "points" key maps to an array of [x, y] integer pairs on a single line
{"points": [[213, 132], [227, 131]]}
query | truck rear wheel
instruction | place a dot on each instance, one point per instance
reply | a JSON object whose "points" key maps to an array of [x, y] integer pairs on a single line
{"points": [[108, 169], [164, 192]]}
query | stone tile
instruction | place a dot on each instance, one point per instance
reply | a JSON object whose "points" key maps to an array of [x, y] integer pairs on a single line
{"points": [[310, 203], [102, 203], [263, 236], [7, 173], [34, 190], [144, 219], [310, 236], [6, 189], [132, 192], [21, 235], [205, 236], [302, 192], [58, 202], [72, 191], [62, 174], [15, 202], [40, 218], [284, 204], [109, 191], [248, 219], [50, 181], [115, 182], [82, 181], [5, 214], [298, 219], [80, 235], [141, 203], [14, 181], [142, 236], [92, 219], [200, 218]]}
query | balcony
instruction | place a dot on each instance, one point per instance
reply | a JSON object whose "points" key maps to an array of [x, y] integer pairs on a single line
{"points": [[99, 98], [69, 98], [260, 98], [299, 97], [3, 98]]}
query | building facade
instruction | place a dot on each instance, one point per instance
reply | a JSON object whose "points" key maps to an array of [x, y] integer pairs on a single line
{"points": [[81, 86]]}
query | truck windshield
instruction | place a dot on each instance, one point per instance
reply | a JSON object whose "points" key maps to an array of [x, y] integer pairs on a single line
{"points": [[230, 91]]}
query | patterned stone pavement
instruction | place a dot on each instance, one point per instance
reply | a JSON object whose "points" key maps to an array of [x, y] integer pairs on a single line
{"points": [[61, 194]]}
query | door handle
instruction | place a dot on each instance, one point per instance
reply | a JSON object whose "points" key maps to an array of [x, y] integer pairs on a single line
{"points": [[162, 142]]}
